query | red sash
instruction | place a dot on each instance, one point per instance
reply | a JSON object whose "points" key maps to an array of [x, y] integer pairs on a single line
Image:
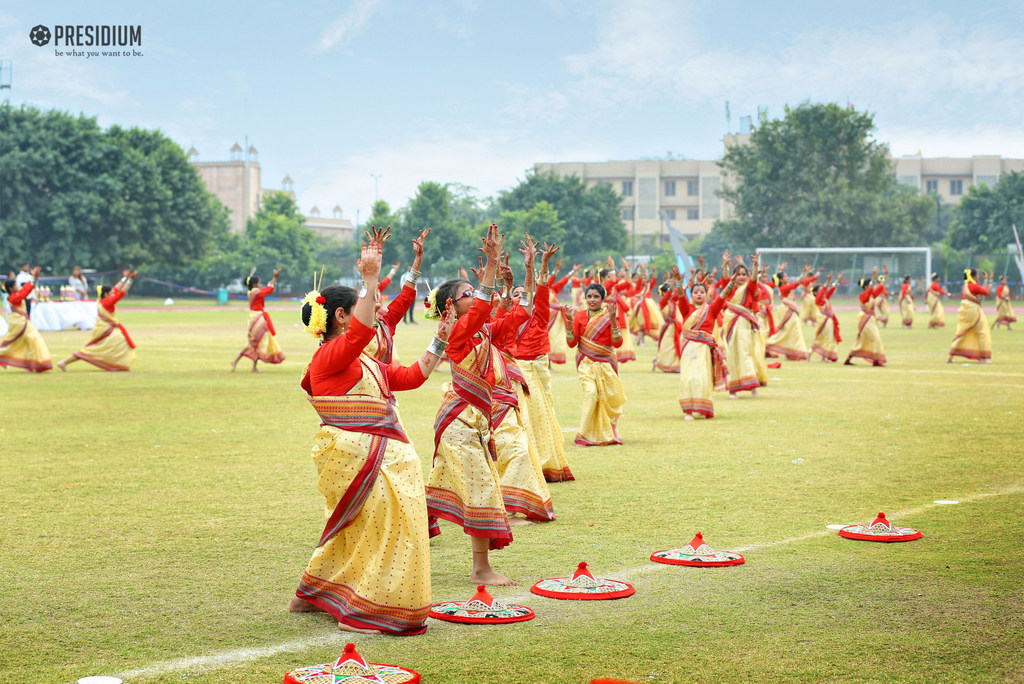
{"points": [[587, 347], [835, 323], [109, 321], [470, 386]]}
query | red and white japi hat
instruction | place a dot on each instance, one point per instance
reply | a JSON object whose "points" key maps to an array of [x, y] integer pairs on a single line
{"points": [[583, 586], [351, 668], [881, 530], [698, 554], [482, 609]]}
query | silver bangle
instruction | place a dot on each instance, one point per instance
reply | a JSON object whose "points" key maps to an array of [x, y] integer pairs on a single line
{"points": [[524, 299], [437, 347], [499, 283], [486, 292], [362, 291]]}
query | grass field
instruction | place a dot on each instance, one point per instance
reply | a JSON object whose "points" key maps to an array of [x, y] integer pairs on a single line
{"points": [[155, 523]]}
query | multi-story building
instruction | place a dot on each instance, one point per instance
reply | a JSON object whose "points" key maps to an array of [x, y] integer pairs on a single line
{"points": [[237, 184], [685, 192]]}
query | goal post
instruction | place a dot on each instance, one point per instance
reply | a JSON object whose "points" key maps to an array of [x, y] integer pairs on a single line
{"points": [[855, 262]]}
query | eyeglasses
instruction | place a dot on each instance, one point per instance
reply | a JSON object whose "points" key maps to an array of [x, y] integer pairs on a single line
{"points": [[464, 295]]}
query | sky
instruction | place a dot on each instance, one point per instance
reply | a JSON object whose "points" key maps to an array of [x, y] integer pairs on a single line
{"points": [[355, 99]]}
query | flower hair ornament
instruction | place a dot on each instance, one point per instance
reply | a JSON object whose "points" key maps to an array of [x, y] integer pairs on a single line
{"points": [[431, 313], [315, 322], [968, 277], [248, 280]]}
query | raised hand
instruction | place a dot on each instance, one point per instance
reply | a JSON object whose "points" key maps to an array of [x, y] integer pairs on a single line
{"points": [[135, 273], [547, 252], [378, 235], [527, 249], [505, 272], [558, 262], [568, 311], [369, 260], [611, 308], [35, 272], [464, 274], [493, 243], [478, 272], [447, 322]]}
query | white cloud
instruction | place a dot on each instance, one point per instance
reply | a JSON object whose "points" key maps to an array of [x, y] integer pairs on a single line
{"points": [[1003, 140], [348, 25]]}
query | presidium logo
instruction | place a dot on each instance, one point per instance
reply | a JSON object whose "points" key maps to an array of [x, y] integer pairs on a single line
{"points": [[71, 36]]}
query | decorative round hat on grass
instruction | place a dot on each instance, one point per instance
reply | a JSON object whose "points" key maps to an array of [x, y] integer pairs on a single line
{"points": [[697, 554], [350, 668], [482, 609], [881, 530], [582, 586]]}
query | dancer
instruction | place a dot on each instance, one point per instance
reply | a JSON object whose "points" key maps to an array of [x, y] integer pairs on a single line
{"points": [[907, 302], [827, 337], [765, 324], [371, 568], [596, 334], [23, 346], [937, 317], [556, 327], [262, 346], [464, 487], [808, 306], [869, 343], [701, 366], [882, 301], [788, 339], [973, 339], [110, 348], [740, 323], [667, 358], [531, 353], [1004, 311]]}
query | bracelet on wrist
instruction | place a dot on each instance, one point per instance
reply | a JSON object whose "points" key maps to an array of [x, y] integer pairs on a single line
{"points": [[437, 346], [485, 292], [524, 299]]}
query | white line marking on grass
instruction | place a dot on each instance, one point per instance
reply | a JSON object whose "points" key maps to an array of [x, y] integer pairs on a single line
{"points": [[335, 638]]}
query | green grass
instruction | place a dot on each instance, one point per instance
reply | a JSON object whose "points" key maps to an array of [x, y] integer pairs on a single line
{"points": [[167, 514]]}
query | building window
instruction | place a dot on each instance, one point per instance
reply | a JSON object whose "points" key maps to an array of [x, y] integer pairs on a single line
{"points": [[692, 188], [670, 214], [931, 186], [670, 189], [627, 214], [692, 214], [956, 187], [627, 188]]}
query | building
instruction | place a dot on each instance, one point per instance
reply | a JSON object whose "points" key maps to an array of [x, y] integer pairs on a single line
{"points": [[237, 184], [685, 191]]}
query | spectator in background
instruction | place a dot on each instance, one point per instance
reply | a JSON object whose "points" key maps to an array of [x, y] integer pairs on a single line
{"points": [[26, 277], [78, 283]]}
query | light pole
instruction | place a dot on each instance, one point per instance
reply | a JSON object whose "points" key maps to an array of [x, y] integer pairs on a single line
{"points": [[376, 180], [5, 84]]}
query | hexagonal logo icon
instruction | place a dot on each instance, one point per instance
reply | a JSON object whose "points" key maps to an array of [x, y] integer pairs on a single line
{"points": [[40, 35]]}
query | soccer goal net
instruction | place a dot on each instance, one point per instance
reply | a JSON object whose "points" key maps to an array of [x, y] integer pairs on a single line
{"points": [[855, 263]]}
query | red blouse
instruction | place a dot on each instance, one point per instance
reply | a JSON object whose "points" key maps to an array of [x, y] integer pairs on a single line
{"points": [[257, 301], [579, 324], [534, 340], [977, 290], [111, 299], [398, 307], [784, 290], [708, 326], [18, 297], [824, 295], [335, 368], [935, 287]]}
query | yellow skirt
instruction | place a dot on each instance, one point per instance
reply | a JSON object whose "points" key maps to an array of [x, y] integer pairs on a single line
{"points": [[1004, 312], [824, 343], [655, 318], [883, 311], [626, 352], [603, 398], [937, 318], [907, 311], [262, 346], [375, 572], [696, 379], [973, 338], [869, 342], [23, 346], [739, 357], [789, 340], [523, 489], [464, 486], [107, 349], [556, 338], [760, 346], [667, 360], [545, 432], [808, 308]]}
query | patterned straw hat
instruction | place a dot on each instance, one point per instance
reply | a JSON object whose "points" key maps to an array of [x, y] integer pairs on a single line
{"points": [[697, 554], [582, 586], [881, 530], [482, 609], [351, 668]]}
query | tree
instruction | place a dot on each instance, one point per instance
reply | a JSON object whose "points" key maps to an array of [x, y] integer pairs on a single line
{"points": [[72, 193], [276, 237], [982, 223], [815, 178], [591, 217], [542, 224]]}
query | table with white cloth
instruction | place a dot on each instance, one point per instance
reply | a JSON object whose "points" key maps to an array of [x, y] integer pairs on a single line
{"points": [[50, 316], [3, 326]]}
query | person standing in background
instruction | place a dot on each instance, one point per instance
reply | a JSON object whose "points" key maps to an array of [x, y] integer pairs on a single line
{"points": [[26, 277], [78, 283]]}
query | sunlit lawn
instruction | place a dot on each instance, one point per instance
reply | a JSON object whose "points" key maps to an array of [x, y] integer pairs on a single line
{"points": [[155, 517]]}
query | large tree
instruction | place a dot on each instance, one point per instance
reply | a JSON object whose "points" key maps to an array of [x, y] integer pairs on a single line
{"points": [[985, 215], [71, 193], [816, 178], [591, 218]]}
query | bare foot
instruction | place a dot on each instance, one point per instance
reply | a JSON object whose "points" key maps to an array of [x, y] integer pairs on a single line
{"points": [[733, 395], [753, 392], [256, 370], [688, 417], [233, 364], [492, 579], [63, 366], [519, 522], [297, 605], [950, 359], [349, 628]]}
